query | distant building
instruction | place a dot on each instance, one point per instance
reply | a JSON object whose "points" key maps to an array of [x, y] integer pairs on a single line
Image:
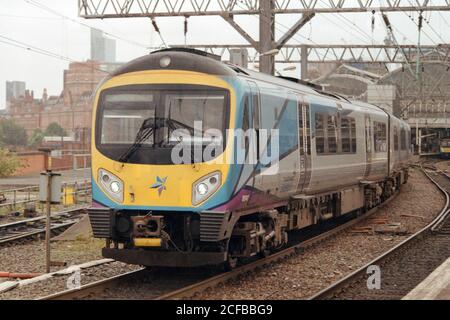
{"points": [[102, 48], [72, 109], [14, 90]]}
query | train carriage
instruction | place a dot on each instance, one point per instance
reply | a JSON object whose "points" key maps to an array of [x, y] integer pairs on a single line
{"points": [[444, 148], [309, 156]]}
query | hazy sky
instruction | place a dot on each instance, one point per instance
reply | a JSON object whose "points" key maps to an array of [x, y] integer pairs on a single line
{"points": [[24, 22]]}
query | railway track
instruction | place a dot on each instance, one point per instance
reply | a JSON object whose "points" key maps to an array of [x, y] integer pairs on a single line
{"points": [[407, 264], [188, 291], [24, 229], [344, 289]]}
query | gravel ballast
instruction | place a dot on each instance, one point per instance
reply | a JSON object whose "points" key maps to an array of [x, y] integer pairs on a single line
{"points": [[317, 267], [297, 277]]}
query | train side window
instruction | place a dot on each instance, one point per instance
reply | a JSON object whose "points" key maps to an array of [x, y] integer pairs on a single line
{"points": [[348, 135], [408, 139], [320, 133], [403, 139], [332, 133], [379, 137], [353, 134], [395, 138], [308, 130]]}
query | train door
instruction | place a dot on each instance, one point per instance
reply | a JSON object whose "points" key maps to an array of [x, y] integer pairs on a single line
{"points": [[304, 140], [255, 111], [369, 145]]}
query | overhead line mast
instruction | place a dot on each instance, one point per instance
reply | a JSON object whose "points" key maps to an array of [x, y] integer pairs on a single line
{"points": [[267, 46]]}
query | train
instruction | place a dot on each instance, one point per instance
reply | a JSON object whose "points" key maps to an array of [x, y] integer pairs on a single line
{"points": [[444, 148], [309, 156]]}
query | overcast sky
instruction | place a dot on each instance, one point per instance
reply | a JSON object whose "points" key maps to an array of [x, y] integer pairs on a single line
{"points": [[24, 22]]}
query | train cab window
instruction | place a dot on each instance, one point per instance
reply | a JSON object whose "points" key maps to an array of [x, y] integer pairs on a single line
{"points": [[124, 114], [332, 133], [246, 120], [395, 138], [403, 139], [320, 133], [380, 137], [348, 135], [246, 124], [158, 119]]}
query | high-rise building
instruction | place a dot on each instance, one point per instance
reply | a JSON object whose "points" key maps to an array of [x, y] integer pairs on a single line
{"points": [[14, 90], [102, 48], [110, 50]]}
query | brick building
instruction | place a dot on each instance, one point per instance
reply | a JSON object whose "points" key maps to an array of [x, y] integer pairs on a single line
{"points": [[72, 109]]}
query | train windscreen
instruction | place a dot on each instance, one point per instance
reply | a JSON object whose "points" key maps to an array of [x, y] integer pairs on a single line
{"points": [[153, 121]]}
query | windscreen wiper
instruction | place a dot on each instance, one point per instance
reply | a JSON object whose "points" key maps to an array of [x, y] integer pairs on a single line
{"points": [[146, 130]]}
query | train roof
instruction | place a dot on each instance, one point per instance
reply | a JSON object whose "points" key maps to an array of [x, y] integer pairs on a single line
{"points": [[200, 61], [179, 59]]}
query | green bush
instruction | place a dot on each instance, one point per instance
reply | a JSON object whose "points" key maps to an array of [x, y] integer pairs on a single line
{"points": [[36, 138], [9, 163], [55, 130], [12, 134]]}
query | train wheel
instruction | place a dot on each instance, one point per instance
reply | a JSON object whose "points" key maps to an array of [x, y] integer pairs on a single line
{"points": [[264, 253], [231, 263]]}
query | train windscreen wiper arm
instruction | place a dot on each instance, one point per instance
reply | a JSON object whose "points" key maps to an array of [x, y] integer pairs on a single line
{"points": [[143, 134]]}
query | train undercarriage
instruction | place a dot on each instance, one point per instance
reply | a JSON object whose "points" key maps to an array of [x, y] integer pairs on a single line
{"points": [[213, 238]]}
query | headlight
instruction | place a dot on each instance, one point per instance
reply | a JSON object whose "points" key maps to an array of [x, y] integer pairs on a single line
{"points": [[202, 189], [111, 184], [115, 186], [205, 187]]}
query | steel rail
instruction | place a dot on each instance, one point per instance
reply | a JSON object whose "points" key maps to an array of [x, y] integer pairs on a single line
{"points": [[93, 288], [13, 235], [191, 290], [350, 278], [188, 291]]}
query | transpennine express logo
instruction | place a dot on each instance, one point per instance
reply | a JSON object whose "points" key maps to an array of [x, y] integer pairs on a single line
{"points": [[160, 185]]}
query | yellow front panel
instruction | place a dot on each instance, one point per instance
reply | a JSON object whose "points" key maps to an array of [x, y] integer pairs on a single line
{"points": [[138, 178]]}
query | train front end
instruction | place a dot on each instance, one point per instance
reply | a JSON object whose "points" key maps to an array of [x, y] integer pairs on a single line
{"points": [[444, 148], [160, 154]]}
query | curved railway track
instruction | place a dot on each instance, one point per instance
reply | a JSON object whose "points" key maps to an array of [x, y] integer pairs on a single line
{"points": [[98, 289], [407, 264], [347, 288], [25, 229]]}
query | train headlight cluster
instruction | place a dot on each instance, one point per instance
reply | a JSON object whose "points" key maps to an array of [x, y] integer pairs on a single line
{"points": [[111, 184], [205, 187]]}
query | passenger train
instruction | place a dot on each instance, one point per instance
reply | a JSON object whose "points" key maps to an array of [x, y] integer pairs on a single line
{"points": [[333, 157], [444, 147]]}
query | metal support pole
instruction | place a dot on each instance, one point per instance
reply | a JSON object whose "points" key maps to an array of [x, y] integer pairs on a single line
{"points": [[266, 36], [47, 221], [304, 59]]}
